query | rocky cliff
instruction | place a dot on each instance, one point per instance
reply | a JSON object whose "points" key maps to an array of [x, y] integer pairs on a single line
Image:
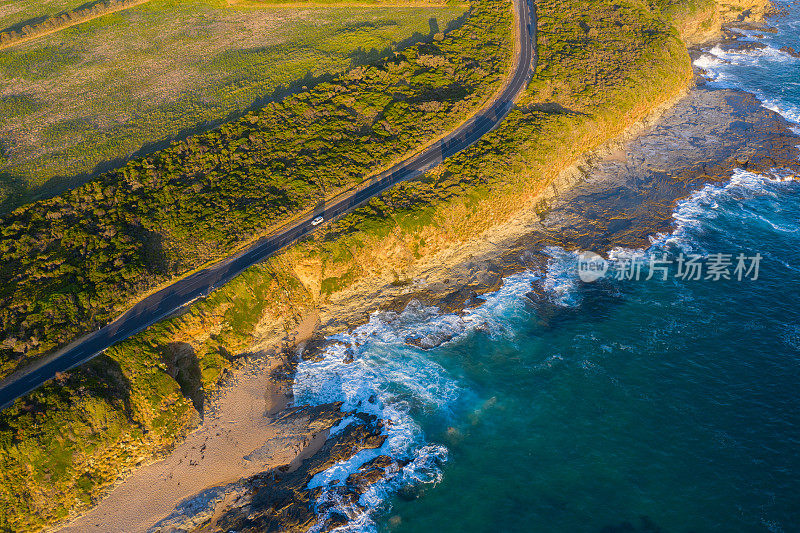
{"points": [[704, 21], [603, 67]]}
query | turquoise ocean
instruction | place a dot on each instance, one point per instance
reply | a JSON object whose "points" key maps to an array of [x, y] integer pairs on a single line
{"points": [[636, 406]]}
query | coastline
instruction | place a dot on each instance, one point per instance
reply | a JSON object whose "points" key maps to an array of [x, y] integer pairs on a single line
{"points": [[454, 279], [451, 280]]}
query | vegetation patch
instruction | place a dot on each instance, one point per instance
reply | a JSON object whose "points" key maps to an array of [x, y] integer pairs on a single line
{"points": [[160, 71], [603, 65], [77, 260]]}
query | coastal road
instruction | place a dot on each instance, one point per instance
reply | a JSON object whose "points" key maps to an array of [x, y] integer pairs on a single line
{"points": [[172, 298]]}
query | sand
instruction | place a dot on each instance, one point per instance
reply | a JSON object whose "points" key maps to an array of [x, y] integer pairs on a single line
{"points": [[238, 438]]}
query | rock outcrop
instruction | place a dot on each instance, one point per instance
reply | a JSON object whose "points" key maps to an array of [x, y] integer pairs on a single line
{"points": [[706, 23]]}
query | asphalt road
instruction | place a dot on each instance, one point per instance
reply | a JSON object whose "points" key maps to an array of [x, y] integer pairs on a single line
{"points": [[171, 298]]}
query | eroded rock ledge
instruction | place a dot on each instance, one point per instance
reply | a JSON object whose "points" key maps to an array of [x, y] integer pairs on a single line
{"points": [[617, 197]]}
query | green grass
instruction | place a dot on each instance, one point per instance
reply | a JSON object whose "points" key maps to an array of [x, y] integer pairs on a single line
{"points": [[603, 65], [21, 11], [86, 97], [71, 439], [63, 444], [99, 247]]}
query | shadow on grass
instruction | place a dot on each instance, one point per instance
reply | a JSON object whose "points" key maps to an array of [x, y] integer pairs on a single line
{"points": [[19, 25], [184, 367], [38, 20], [553, 108], [102, 377], [11, 187], [16, 195]]}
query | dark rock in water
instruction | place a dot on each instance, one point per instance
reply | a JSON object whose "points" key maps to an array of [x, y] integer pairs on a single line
{"points": [[315, 350], [545, 308], [280, 500], [791, 51], [335, 520], [372, 472], [324, 415], [741, 46], [429, 341], [646, 525], [474, 300], [349, 355], [705, 140], [624, 527], [754, 26], [537, 293], [409, 492]]}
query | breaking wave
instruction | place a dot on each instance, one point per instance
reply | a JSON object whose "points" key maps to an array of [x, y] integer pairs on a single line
{"points": [[721, 207], [385, 367], [380, 369], [770, 73]]}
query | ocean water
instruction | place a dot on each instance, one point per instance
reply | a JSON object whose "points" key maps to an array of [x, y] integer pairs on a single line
{"points": [[619, 405], [770, 73]]}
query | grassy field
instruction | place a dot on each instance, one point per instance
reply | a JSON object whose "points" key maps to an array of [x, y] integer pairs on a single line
{"points": [[58, 453], [81, 100], [603, 65], [17, 14], [76, 260]]}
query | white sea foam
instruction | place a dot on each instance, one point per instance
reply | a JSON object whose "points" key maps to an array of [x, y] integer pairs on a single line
{"points": [[389, 381], [744, 57], [711, 66], [788, 111], [618, 254], [372, 370], [693, 214], [721, 67], [560, 280], [693, 217]]}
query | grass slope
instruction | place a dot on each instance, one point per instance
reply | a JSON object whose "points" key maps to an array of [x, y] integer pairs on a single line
{"points": [[603, 65], [86, 98], [77, 260]]}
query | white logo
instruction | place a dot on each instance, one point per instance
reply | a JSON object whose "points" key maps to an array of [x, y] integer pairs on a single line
{"points": [[591, 267]]}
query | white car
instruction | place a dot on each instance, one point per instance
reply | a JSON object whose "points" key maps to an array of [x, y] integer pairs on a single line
{"points": [[317, 221]]}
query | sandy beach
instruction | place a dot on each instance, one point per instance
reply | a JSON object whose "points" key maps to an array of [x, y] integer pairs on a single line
{"points": [[615, 197], [239, 437]]}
